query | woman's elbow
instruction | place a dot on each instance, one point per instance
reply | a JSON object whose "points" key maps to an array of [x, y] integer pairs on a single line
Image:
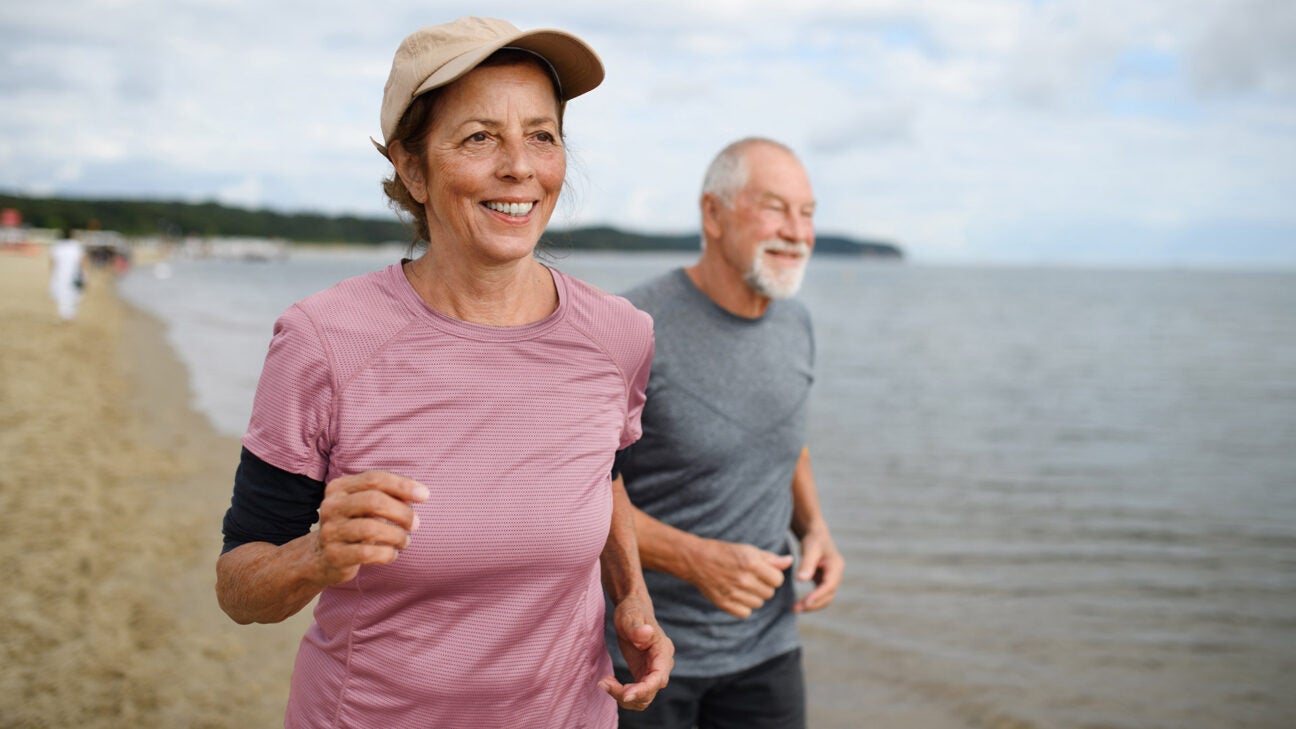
{"points": [[232, 584], [226, 592]]}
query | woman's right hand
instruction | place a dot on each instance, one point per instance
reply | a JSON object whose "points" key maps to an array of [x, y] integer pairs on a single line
{"points": [[366, 518]]}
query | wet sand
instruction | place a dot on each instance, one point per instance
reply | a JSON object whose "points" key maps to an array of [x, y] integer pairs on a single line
{"points": [[110, 505]]}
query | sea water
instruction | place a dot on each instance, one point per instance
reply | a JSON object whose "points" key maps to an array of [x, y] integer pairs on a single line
{"points": [[1067, 497]]}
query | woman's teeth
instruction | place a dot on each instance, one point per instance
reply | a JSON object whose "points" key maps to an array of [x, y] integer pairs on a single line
{"points": [[516, 210]]}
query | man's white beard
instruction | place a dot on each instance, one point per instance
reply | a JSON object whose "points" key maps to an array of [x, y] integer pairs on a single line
{"points": [[777, 282]]}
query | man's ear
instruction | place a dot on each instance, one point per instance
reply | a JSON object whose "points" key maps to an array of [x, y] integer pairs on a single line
{"points": [[711, 208], [410, 171]]}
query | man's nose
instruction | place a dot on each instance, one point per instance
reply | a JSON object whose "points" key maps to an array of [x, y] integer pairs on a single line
{"points": [[797, 227]]}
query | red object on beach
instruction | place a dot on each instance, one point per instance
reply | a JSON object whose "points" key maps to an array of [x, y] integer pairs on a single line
{"points": [[10, 218]]}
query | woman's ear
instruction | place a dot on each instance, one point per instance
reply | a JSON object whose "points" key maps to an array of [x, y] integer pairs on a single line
{"points": [[410, 171]]}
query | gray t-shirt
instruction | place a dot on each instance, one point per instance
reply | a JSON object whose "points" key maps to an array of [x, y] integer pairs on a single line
{"points": [[723, 428]]}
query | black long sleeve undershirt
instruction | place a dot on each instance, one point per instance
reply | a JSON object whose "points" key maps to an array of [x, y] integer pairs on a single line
{"points": [[277, 506], [269, 504]]}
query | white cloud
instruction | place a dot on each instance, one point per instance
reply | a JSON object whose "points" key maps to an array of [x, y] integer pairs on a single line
{"points": [[944, 125], [1246, 45]]}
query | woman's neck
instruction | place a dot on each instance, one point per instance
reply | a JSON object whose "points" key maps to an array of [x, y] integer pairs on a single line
{"points": [[510, 294]]}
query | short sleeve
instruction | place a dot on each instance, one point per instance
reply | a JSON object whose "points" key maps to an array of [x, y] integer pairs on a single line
{"points": [[637, 389], [289, 427]]}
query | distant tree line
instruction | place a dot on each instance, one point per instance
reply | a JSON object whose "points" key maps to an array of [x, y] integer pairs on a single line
{"points": [[179, 219]]}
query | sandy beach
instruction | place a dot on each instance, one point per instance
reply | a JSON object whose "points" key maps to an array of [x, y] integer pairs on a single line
{"points": [[110, 507]]}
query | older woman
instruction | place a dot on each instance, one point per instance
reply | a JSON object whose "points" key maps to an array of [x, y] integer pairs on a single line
{"points": [[452, 422]]}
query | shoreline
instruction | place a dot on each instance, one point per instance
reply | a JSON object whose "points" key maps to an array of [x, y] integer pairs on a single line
{"points": [[110, 512]]}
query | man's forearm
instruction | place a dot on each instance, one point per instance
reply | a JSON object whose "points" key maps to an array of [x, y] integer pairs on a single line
{"points": [[662, 548], [806, 514]]}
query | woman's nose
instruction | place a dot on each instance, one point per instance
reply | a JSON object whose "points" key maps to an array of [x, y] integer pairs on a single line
{"points": [[516, 162]]}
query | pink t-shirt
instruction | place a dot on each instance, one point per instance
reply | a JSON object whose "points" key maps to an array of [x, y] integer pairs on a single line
{"points": [[493, 616]]}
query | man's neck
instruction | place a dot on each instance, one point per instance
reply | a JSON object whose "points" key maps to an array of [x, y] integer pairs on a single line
{"points": [[726, 287]]}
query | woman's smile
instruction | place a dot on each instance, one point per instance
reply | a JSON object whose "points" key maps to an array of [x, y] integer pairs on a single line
{"points": [[511, 209]]}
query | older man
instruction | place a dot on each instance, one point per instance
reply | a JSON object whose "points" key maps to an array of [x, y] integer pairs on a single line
{"points": [[722, 472]]}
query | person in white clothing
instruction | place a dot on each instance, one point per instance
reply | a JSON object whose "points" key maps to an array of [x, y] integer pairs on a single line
{"points": [[67, 274]]}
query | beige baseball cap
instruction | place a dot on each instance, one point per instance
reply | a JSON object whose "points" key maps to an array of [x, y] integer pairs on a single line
{"points": [[439, 54]]}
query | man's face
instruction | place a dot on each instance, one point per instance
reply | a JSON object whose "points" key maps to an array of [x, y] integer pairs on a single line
{"points": [[768, 234]]}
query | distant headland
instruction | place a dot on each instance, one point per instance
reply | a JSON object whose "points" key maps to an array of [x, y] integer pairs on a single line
{"points": [[613, 239], [153, 218]]}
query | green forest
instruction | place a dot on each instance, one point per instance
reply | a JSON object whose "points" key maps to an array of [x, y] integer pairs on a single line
{"points": [[178, 219]]}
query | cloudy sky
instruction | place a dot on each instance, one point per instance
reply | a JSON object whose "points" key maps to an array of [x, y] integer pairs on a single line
{"points": [[1018, 131]]}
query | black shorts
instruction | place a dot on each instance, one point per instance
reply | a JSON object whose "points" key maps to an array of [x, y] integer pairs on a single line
{"points": [[767, 696]]}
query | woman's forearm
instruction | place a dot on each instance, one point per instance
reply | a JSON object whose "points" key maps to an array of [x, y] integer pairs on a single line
{"points": [[263, 583], [365, 518], [622, 572]]}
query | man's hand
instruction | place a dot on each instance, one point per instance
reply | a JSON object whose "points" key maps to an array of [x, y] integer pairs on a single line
{"points": [[821, 562], [738, 578], [648, 652]]}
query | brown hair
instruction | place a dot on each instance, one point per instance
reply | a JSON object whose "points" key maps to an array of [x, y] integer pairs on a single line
{"points": [[412, 130]]}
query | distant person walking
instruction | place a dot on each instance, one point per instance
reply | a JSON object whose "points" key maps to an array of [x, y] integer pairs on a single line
{"points": [[67, 274]]}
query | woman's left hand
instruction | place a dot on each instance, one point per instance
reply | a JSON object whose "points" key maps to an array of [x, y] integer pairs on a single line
{"points": [[647, 650]]}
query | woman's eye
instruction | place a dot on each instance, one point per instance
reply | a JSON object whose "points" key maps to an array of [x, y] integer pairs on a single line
{"points": [[545, 137], [478, 137]]}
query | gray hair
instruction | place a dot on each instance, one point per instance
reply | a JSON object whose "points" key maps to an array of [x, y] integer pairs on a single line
{"points": [[728, 172]]}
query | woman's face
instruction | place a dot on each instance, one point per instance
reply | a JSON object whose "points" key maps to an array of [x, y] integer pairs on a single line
{"points": [[494, 163]]}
